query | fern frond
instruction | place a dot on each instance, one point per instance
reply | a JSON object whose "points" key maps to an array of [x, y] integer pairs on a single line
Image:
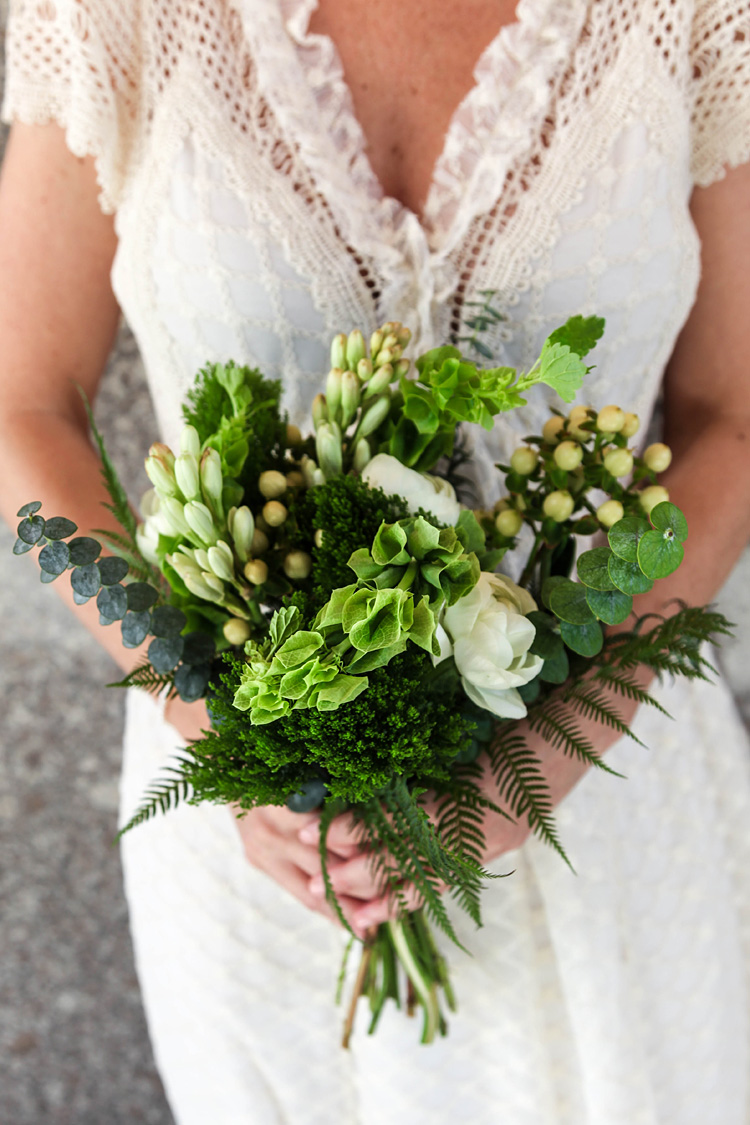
{"points": [[626, 686], [146, 677], [329, 811], [160, 797], [590, 700], [522, 785], [555, 724]]}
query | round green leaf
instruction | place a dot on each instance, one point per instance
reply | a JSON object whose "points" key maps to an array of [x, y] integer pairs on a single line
{"points": [[59, 528], [112, 569], [112, 602], [310, 796], [135, 628], [628, 577], [85, 580], [549, 585], [84, 550], [529, 692], [45, 576], [29, 509], [668, 517], [610, 606], [568, 602], [106, 620], [659, 553], [556, 668], [624, 537], [191, 681], [164, 653], [141, 596], [199, 649], [586, 640], [20, 548], [80, 599], [54, 558], [593, 568], [31, 530], [167, 621], [547, 641]]}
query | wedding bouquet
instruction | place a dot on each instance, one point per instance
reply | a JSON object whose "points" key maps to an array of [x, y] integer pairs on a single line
{"points": [[342, 613]]}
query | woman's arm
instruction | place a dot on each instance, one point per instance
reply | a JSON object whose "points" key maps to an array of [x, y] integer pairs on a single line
{"points": [[707, 424]]}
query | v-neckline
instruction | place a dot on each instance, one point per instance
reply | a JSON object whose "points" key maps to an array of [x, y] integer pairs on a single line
{"points": [[302, 78]]}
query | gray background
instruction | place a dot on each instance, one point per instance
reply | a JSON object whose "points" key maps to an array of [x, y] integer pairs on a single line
{"points": [[73, 1041]]}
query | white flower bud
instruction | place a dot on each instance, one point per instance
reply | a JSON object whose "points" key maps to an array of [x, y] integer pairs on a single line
{"points": [[376, 342], [199, 556], [236, 631], [403, 335], [243, 532], [308, 467], [256, 571], [173, 517], [274, 513], [221, 561], [380, 381], [190, 442], [402, 368], [297, 565], [200, 522], [333, 393], [187, 475], [212, 483], [350, 395], [272, 484], [364, 369], [328, 449], [319, 410], [355, 349], [658, 457], [362, 455], [160, 471], [319, 537], [374, 416], [338, 351]]}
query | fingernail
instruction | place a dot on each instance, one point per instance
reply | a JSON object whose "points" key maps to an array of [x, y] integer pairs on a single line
{"points": [[309, 834], [317, 887]]}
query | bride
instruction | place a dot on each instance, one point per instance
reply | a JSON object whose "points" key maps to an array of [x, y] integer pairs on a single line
{"points": [[244, 178]]}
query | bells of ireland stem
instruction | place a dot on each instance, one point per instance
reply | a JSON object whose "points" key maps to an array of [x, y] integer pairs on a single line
{"points": [[212, 483], [159, 467], [350, 395], [200, 522], [242, 530], [187, 474], [328, 447]]}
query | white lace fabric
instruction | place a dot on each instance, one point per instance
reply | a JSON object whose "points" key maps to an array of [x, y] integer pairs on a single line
{"points": [[251, 226]]}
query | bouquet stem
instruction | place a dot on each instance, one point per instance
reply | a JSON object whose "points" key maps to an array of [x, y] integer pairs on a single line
{"points": [[394, 950]]}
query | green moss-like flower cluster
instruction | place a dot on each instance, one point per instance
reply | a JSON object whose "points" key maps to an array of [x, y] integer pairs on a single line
{"points": [[397, 727]]}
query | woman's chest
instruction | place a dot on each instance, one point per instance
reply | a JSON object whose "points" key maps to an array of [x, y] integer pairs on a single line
{"points": [[408, 65]]}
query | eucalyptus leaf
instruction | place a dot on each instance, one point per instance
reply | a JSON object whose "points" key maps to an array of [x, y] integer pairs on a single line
{"points": [[29, 509], [20, 548], [112, 602], [199, 649], [549, 585], [556, 668], [84, 550], [135, 628], [628, 576], [164, 653], [529, 693], [624, 537], [141, 596], [80, 599], [659, 553], [167, 621], [586, 640], [568, 602], [593, 569], [547, 640], [45, 576], [310, 795], [104, 620], [54, 558], [610, 606], [59, 528], [112, 569], [86, 580], [191, 681], [31, 530]]}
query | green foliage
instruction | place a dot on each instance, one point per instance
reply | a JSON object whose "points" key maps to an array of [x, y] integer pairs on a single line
{"points": [[161, 796], [579, 333], [146, 677]]}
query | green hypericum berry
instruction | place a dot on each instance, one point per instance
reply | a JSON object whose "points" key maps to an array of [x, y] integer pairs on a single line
{"points": [[610, 420], [610, 512], [658, 457], [256, 571], [559, 505], [524, 461], [508, 522], [260, 543], [552, 429], [651, 496], [274, 513], [618, 462], [576, 418], [297, 565], [568, 455], [631, 425], [236, 631], [272, 484]]}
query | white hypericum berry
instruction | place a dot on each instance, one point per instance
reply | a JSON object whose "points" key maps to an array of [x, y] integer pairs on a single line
{"points": [[552, 429], [618, 462], [259, 544], [559, 505], [610, 512], [576, 418], [236, 631], [610, 419], [651, 496], [508, 522], [297, 564], [295, 479], [293, 435], [256, 571], [272, 484], [631, 425], [524, 461], [658, 457], [318, 537], [568, 455], [274, 513]]}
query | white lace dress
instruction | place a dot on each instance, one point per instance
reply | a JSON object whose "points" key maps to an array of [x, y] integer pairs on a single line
{"points": [[251, 226]]}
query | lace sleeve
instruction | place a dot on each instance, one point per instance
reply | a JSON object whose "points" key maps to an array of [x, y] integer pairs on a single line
{"points": [[76, 62], [720, 54]]}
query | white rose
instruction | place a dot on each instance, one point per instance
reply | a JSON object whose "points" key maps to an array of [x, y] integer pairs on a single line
{"points": [[491, 638], [419, 490]]}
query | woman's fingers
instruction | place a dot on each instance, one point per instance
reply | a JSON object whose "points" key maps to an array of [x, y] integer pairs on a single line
{"points": [[343, 836], [354, 877]]}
